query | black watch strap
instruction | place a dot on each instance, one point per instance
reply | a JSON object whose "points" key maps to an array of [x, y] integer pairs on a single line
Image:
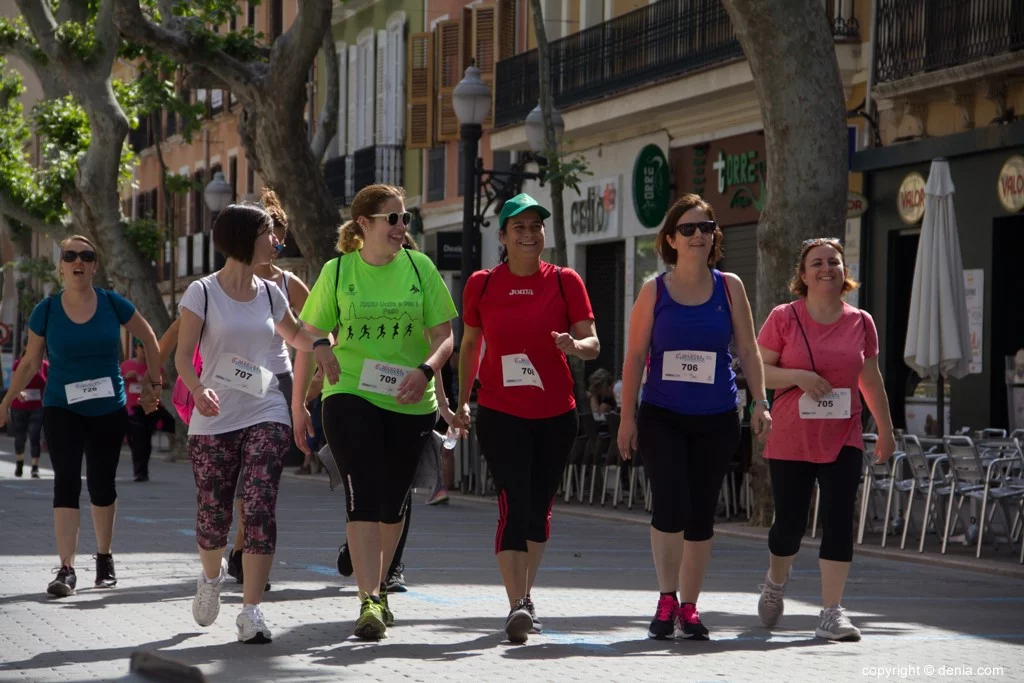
{"points": [[427, 370]]}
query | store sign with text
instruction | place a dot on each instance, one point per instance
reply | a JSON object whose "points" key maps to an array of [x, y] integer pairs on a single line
{"points": [[596, 213], [910, 199], [1011, 184], [730, 174]]}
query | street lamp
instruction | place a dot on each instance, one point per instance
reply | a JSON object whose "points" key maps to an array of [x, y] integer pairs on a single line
{"points": [[482, 188], [217, 194]]}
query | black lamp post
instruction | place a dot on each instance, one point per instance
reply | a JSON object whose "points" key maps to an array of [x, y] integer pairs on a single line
{"points": [[483, 188]]}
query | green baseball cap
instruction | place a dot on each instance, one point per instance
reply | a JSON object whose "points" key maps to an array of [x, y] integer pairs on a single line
{"points": [[515, 206]]}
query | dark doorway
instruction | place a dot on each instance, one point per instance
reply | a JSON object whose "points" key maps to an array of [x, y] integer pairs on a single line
{"points": [[606, 279], [902, 257], [1007, 313]]}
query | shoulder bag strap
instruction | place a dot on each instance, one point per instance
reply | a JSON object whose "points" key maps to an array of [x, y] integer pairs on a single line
{"points": [[807, 343], [206, 301], [561, 290], [418, 278]]}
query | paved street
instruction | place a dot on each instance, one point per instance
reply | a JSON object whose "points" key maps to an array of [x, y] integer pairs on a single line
{"points": [[596, 595]]}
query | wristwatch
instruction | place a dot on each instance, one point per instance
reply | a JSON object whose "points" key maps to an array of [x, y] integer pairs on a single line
{"points": [[763, 402], [427, 370]]}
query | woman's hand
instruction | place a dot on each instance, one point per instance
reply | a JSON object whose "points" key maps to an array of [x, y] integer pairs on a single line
{"points": [[461, 418], [446, 414], [813, 385], [565, 343], [884, 448], [206, 400], [327, 363], [412, 387], [302, 426], [150, 399], [626, 438], [761, 422], [5, 412]]}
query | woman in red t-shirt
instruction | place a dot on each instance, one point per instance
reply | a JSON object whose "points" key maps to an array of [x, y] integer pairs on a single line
{"points": [[818, 351], [27, 419], [529, 314]]}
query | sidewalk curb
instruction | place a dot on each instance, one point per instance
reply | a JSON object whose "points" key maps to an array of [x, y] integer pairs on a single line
{"points": [[980, 566]]}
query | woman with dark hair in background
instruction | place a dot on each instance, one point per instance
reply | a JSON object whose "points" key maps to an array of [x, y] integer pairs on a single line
{"points": [[27, 418]]}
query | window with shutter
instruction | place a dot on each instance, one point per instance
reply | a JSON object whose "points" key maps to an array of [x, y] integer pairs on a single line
{"points": [[353, 99], [368, 62], [484, 49], [381, 132], [338, 147], [449, 73], [420, 82], [396, 97]]}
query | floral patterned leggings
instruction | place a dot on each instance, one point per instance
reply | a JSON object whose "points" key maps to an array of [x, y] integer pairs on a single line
{"points": [[258, 453]]}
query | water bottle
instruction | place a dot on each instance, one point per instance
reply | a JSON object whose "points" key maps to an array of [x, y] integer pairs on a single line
{"points": [[451, 437]]}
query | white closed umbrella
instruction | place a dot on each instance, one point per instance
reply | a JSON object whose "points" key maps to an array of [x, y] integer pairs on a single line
{"points": [[938, 343]]}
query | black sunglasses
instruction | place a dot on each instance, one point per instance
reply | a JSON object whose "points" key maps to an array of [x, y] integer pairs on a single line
{"points": [[687, 229], [87, 256], [393, 217]]}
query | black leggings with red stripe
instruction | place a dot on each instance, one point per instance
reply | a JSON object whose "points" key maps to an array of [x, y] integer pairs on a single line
{"points": [[526, 458]]}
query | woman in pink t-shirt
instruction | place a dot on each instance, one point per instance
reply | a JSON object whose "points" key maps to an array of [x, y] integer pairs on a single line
{"points": [[818, 352]]}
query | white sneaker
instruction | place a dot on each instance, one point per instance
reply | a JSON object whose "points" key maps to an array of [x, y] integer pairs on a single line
{"points": [[835, 625], [252, 628], [206, 604], [771, 604]]}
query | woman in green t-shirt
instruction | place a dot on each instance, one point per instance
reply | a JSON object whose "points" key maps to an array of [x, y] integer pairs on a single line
{"points": [[393, 317]]}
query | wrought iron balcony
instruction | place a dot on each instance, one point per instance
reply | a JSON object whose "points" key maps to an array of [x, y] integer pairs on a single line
{"points": [[663, 40], [369, 165], [917, 36]]}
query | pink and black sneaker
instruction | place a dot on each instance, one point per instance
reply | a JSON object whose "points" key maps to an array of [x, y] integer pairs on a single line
{"points": [[663, 624], [688, 623]]}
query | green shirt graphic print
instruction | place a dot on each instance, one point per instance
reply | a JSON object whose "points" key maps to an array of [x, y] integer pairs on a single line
{"points": [[381, 314]]}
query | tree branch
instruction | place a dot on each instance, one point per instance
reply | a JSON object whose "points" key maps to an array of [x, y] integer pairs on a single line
{"points": [[198, 77], [166, 9], [13, 209], [44, 28], [173, 40], [72, 11], [25, 51], [107, 37], [294, 52], [327, 124]]}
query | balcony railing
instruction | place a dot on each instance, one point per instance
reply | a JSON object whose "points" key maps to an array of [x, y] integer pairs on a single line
{"points": [[335, 177], [369, 165], [915, 36], [663, 40]]}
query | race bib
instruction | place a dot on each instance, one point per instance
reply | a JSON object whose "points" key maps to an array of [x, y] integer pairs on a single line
{"points": [[518, 371], [382, 378], [135, 388], [235, 372], [31, 395], [835, 405], [88, 390], [689, 366]]}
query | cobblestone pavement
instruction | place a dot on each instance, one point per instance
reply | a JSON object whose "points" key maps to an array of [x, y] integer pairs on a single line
{"points": [[596, 595]]}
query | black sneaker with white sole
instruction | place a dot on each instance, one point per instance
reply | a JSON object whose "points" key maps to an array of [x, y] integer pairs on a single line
{"points": [[396, 579], [519, 623], [105, 576], [64, 584], [538, 627]]}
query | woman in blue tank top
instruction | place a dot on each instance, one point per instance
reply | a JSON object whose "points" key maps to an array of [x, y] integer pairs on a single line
{"points": [[687, 426]]}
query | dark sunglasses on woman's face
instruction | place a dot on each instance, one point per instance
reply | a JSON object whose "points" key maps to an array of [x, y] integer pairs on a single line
{"points": [[687, 229], [393, 217], [70, 255]]}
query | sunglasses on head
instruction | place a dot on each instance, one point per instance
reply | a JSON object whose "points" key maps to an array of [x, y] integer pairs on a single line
{"points": [[392, 218], [687, 229], [69, 255]]}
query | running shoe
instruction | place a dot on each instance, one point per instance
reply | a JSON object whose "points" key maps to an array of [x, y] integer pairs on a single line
{"points": [[835, 625], [663, 625], [235, 568], [35, 471], [688, 623], [772, 603], [64, 584], [105, 576], [395, 582], [206, 604], [19, 467], [370, 625], [538, 627], [344, 560], [519, 622], [440, 497], [252, 627]]}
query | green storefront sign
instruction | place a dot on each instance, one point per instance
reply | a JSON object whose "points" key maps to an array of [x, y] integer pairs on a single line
{"points": [[651, 190]]}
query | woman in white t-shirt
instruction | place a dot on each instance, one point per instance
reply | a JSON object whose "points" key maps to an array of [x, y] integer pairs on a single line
{"points": [[241, 421]]}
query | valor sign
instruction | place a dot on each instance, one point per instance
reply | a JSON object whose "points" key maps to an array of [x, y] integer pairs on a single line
{"points": [[1011, 184], [910, 200]]}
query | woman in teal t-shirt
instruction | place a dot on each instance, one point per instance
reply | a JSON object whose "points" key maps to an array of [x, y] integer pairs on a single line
{"points": [[393, 314], [84, 400]]}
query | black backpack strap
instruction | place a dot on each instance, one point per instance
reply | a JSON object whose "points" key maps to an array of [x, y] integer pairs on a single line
{"points": [[206, 301], [486, 280], [561, 290]]}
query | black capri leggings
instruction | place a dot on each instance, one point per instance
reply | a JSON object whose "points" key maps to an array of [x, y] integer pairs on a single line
{"points": [[99, 439], [685, 458], [377, 452], [792, 490], [27, 424], [526, 459]]}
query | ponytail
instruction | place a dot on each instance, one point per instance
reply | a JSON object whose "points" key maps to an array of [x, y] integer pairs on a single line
{"points": [[350, 237], [503, 254]]}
